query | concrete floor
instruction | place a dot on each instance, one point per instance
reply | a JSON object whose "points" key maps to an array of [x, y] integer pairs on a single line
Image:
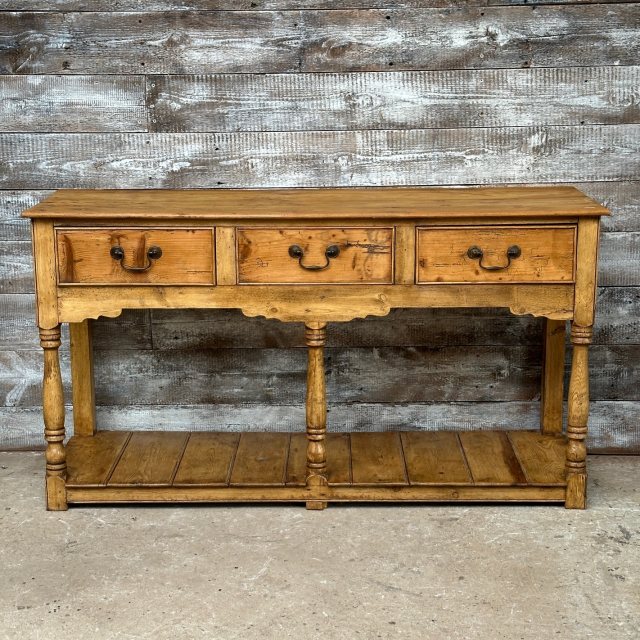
{"points": [[445, 572]]}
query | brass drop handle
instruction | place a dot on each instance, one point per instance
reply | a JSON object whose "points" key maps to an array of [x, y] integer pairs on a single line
{"points": [[154, 253], [296, 252], [476, 253]]}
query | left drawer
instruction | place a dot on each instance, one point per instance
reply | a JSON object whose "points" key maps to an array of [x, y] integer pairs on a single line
{"points": [[129, 255]]}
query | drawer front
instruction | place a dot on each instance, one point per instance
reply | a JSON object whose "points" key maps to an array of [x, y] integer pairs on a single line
{"points": [[495, 254], [135, 256], [315, 255]]}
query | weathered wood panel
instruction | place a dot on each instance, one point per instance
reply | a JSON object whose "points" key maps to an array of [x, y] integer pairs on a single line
{"points": [[18, 330], [335, 40], [415, 374], [322, 158], [619, 260], [266, 5], [16, 267], [617, 322], [465, 38], [420, 99], [612, 425], [618, 315], [621, 198], [72, 103], [467, 67], [12, 204]]}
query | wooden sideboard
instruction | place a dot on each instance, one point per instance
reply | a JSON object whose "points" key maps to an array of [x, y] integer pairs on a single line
{"points": [[316, 256]]}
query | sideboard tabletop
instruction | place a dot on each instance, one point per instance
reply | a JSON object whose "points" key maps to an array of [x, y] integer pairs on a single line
{"points": [[301, 203]]}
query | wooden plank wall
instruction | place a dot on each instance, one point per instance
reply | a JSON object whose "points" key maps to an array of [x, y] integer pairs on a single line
{"points": [[263, 93]]}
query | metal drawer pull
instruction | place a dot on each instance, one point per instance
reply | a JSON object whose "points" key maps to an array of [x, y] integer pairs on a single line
{"points": [[476, 253], [332, 251], [154, 253]]}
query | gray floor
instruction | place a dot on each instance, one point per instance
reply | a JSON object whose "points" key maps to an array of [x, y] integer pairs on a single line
{"points": [[445, 572]]}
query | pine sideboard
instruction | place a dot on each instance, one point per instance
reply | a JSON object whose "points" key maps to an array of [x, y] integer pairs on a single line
{"points": [[316, 256]]}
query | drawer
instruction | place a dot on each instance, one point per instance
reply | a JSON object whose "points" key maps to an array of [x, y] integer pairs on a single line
{"points": [[318, 255], [135, 256], [495, 254]]}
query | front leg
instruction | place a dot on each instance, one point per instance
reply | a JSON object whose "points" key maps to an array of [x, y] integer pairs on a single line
{"points": [[53, 411], [315, 337], [576, 464]]}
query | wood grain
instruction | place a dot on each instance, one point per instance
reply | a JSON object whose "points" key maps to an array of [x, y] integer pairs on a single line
{"points": [[318, 204], [321, 158], [377, 458], [552, 384], [72, 103], [547, 254], [92, 460], [335, 40], [188, 256], [491, 458], [365, 255], [82, 379], [272, 5], [541, 457], [434, 457], [149, 459], [207, 459], [393, 100], [261, 459]]}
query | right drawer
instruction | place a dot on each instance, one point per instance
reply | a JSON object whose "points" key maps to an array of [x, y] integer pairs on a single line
{"points": [[487, 254]]}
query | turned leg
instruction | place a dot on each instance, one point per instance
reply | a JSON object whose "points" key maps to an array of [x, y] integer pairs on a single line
{"points": [[552, 376], [53, 410], [576, 463], [315, 336], [82, 387]]}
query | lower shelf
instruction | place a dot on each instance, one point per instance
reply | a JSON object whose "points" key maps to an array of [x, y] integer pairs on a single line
{"points": [[429, 466]]}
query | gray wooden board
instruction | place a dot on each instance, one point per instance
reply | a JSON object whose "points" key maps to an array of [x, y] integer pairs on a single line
{"points": [[612, 424], [285, 102], [320, 40], [16, 267], [619, 259], [321, 158], [72, 103], [18, 330], [411, 374], [384, 100], [12, 204], [479, 73], [265, 5], [617, 322]]}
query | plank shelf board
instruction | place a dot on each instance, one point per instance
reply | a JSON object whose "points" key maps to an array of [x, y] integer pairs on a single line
{"points": [[145, 466]]}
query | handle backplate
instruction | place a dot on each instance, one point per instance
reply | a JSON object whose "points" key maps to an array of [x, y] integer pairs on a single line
{"points": [[476, 253], [153, 253], [297, 252]]}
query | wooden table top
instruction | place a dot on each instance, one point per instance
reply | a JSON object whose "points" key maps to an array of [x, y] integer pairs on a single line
{"points": [[354, 203]]}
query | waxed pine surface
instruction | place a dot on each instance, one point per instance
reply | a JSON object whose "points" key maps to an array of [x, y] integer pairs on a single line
{"points": [[424, 92]]}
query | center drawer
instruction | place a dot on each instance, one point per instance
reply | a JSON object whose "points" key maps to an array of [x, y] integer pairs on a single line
{"points": [[135, 256], [320, 255]]}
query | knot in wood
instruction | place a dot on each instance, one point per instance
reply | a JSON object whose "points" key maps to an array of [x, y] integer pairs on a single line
{"points": [[581, 335]]}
